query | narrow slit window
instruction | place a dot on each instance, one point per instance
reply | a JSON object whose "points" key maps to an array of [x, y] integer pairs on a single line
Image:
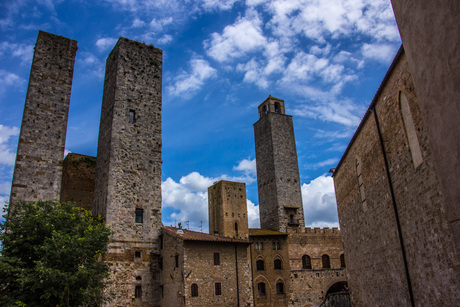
{"points": [[132, 116], [194, 290], [326, 262], [139, 215], [411, 132], [216, 259], [138, 292], [218, 288]]}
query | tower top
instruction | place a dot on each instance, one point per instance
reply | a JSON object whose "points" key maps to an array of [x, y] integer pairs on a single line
{"points": [[271, 105]]}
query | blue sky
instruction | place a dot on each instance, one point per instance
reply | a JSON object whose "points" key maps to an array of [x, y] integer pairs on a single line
{"points": [[222, 58]]}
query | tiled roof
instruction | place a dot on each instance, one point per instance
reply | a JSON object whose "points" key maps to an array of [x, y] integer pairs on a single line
{"points": [[265, 232], [188, 235]]}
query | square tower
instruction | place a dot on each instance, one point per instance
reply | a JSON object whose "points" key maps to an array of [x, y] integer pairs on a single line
{"points": [[128, 169], [228, 212], [278, 180], [38, 168]]}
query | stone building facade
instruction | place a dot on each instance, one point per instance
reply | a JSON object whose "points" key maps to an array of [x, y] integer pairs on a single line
{"points": [[228, 209], [78, 175], [278, 179], [153, 265], [38, 169], [201, 269], [392, 209], [128, 168]]}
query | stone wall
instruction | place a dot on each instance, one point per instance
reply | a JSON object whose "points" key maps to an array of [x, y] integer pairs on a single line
{"points": [[228, 210], [269, 275], [38, 168], [278, 181], [172, 276], [310, 285], [78, 180], [431, 38], [369, 222], [128, 168]]}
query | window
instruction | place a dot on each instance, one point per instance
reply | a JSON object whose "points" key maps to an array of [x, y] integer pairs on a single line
{"points": [[177, 261], [306, 262], [326, 262], [138, 278], [261, 288], [138, 292], [132, 116], [236, 228], [342, 260], [277, 107], [260, 265], [216, 259], [218, 288], [277, 264], [279, 288], [139, 215], [137, 254], [259, 246], [194, 290], [160, 263], [276, 245], [162, 291], [411, 132]]}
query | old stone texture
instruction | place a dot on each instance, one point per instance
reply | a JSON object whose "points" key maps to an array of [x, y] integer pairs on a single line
{"points": [[278, 181], [269, 246], [375, 265], [195, 265], [78, 180], [431, 38], [128, 168], [308, 287], [228, 209], [38, 168]]}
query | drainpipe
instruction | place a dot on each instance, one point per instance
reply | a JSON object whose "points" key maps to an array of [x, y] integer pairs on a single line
{"points": [[237, 283], [393, 199]]}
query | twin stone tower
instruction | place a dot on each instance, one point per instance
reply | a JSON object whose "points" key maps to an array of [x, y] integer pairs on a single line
{"points": [[127, 192]]}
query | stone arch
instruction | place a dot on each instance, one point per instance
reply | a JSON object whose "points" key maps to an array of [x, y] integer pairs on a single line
{"points": [[260, 263], [262, 279], [280, 285], [277, 259], [338, 286]]}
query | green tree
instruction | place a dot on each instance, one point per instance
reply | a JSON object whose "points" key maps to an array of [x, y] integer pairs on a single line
{"points": [[52, 255]]}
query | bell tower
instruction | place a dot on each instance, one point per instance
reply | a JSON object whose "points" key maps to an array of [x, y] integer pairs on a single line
{"points": [[278, 180]]}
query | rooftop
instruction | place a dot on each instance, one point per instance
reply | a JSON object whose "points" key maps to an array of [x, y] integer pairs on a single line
{"points": [[189, 235]]}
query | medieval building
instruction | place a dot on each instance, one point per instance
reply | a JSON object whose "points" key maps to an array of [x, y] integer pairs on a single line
{"points": [[397, 182], [281, 264]]}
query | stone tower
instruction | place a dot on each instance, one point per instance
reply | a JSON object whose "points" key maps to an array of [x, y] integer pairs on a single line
{"points": [[278, 181], [38, 168], [128, 169], [228, 209]]}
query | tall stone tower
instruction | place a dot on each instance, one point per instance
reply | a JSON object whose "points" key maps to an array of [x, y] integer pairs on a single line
{"points": [[128, 170], [278, 181], [38, 168], [228, 209]]}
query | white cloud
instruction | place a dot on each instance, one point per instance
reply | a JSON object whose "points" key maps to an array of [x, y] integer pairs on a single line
{"points": [[342, 112], [92, 63], [187, 83], [7, 152], [106, 43], [10, 81], [22, 51], [242, 37], [253, 215], [189, 200], [322, 164], [246, 166], [218, 4], [157, 25], [380, 52], [319, 203], [165, 39]]}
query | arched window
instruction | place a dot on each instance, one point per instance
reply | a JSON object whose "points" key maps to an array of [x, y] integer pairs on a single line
{"points": [[277, 264], [326, 262], [138, 278], [261, 288], [194, 290], [260, 265], [265, 109], [277, 107], [279, 288], [342, 261], [306, 262], [411, 132]]}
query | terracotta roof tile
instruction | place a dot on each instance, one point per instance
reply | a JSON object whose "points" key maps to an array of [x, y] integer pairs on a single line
{"points": [[189, 235]]}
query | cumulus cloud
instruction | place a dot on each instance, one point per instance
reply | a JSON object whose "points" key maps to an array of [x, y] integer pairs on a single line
{"points": [[242, 37], [92, 63], [10, 80], [188, 200], [106, 43], [322, 164], [187, 83], [319, 203], [247, 166], [379, 52], [7, 150], [218, 4], [23, 52], [341, 112]]}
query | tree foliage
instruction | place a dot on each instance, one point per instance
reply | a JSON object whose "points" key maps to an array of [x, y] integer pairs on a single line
{"points": [[52, 255]]}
